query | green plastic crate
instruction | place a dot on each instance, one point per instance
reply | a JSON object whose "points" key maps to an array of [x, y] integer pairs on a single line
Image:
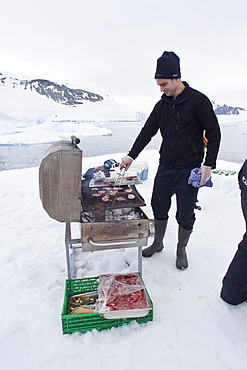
{"points": [[93, 320]]}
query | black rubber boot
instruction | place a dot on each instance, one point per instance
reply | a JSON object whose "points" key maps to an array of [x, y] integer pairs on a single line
{"points": [[183, 238], [159, 233]]}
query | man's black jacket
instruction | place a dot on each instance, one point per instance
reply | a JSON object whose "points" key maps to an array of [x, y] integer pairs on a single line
{"points": [[181, 125]]}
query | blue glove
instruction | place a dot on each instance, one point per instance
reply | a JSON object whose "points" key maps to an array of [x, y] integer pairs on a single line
{"points": [[195, 179]]}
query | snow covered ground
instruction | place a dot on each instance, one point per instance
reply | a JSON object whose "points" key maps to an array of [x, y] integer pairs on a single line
{"points": [[192, 327]]}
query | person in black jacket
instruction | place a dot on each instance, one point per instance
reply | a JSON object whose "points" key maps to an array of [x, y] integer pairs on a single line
{"points": [[181, 115], [234, 287]]}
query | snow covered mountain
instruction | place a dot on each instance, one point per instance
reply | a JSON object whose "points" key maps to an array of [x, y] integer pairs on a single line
{"points": [[60, 93], [34, 110], [44, 97]]}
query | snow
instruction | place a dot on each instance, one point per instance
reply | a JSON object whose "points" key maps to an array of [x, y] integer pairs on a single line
{"points": [[232, 119], [192, 327], [18, 127]]}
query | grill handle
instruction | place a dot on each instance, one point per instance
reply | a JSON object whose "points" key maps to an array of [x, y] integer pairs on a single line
{"points": [[111, 244], [75, 140]]}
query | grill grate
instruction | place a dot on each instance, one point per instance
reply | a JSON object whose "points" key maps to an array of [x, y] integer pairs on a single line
{"points": [[90, 202]]}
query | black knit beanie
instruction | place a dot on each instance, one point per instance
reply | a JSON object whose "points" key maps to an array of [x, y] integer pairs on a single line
{"points": [[168, 66]]}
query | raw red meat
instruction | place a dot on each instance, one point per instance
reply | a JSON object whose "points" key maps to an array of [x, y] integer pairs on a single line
{"points": [[122, 292]]}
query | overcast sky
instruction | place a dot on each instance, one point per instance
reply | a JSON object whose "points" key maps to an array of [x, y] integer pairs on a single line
{"points": [[112, 45]]}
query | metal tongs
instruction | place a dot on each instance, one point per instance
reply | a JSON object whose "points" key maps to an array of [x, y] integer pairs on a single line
{"points": [[120, 177]]}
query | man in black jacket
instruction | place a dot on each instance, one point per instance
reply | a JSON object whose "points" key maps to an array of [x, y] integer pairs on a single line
{"points": [[181, 115], [234, 288]]}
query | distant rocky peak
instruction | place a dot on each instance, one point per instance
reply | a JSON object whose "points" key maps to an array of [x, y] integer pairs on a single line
{"points": [[227, 110], [60, 93]]}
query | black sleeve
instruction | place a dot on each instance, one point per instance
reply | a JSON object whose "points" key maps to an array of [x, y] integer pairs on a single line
{"points": [[242, 180], [209, 121]]}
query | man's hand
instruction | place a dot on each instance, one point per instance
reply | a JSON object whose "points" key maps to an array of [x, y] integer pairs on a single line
{"points": [[206, 174], [126, 162]]}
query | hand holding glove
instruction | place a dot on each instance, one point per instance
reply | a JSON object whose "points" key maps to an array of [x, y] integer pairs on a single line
{"points": [[205, 173], [200, 177]]}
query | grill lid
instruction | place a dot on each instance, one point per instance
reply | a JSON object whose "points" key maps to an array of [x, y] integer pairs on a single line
{"points": [[60, 181]]}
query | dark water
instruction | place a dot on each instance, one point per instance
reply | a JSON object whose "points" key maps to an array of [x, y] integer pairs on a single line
{"points": [[234, 143], [233, 146], [121, 140], [21, 156]]}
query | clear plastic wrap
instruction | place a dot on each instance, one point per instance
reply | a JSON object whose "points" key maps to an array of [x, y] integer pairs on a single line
{"points": [[121, 292]]}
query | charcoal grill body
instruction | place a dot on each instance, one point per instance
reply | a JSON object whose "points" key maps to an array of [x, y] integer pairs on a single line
{"points": [[64, 196]]}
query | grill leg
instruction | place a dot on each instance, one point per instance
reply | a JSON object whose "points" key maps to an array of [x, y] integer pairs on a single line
{"points": [[69, 256], [140, 260]]}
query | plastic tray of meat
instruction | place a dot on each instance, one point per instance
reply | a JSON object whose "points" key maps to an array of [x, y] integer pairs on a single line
{"points": [[122, 296]]}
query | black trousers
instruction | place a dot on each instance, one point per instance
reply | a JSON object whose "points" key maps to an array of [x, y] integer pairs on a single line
{"points": [[234, 287], [170, 181]]}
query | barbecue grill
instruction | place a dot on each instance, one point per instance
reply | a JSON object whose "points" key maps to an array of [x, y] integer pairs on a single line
{"points": [[117, 223]]}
